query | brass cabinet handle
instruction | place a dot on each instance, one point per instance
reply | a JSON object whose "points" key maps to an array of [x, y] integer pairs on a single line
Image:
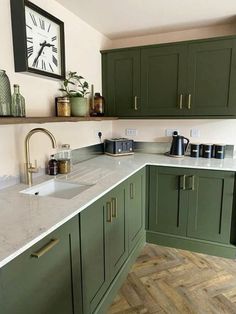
{"points": [[135, 103], [192, 181], [181, 101], [45, 249], [114, 207], [109, 211], [189, 101], [132, 191], [183, 182]]}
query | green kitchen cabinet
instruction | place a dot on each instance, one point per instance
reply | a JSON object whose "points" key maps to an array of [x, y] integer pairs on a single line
{"points": [[46, 278], [104, 245], [135, 202], [94, 254], [185, 79], [163, 79], [121, 82], [211, 78], [168, 200], [210, 205], [191, 203]]}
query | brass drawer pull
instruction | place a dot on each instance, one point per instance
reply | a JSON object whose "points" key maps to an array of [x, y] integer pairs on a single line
{"points": [[46, 248], [114, 207], [189, 101], [192, 183], [181, 101], [109, 211], [132, 191], [135, 103], [183, 182]]}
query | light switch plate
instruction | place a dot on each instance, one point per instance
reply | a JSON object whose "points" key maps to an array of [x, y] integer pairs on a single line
{"points": [[195, 133], [169, 132], [131, 132]]}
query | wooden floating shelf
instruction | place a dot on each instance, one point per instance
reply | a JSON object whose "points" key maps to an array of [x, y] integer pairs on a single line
{"points": [[13, 120]]}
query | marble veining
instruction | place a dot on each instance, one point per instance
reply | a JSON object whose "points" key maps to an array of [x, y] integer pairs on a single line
{"points": [[26, 219]]}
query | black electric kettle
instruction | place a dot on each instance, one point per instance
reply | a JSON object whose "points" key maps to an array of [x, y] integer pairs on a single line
{"points": [[179, 145]]}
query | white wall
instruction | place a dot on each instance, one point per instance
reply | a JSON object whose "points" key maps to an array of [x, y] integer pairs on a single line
{"points": [[83, 45]]}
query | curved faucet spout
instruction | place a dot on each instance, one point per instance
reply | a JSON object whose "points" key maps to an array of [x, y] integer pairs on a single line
{"points": [[29, 168]]}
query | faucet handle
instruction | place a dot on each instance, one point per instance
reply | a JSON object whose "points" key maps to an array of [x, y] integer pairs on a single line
{"points": [[33, 169]]}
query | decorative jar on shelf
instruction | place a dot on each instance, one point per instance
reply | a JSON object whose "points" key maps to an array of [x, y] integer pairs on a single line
{"points": [[17, 103], [5, 94]]}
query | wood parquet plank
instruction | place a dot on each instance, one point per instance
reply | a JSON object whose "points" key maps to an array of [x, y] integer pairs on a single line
{"points": [[171, 281]]}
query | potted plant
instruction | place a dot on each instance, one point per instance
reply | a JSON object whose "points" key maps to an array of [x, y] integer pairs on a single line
{"points": [[76, 88]]}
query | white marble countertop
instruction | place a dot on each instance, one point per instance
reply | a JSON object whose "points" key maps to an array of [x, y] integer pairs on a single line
{"points": [[26, 219]]}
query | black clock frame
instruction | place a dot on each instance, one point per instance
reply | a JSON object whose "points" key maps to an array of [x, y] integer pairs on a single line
{"points": [[20, 38]]}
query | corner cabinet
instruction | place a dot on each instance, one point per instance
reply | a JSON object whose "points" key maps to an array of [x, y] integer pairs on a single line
{"points": [[46, 278], [192, 208], [186, 79]]}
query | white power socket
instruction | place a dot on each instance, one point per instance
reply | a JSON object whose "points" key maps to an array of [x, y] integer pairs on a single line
{"points": [[195, 133], [131, 132], [169, 132]]}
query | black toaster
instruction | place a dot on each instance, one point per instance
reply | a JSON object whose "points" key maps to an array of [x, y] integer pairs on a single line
{"points": [[119, 146]]}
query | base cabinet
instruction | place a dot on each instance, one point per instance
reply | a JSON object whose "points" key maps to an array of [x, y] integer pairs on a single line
{"points": [[104, 245], [110, 230], [46, 278], [135, 201], [192, 203]]}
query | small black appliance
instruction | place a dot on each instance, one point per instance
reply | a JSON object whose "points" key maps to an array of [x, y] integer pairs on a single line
{"points": [[119, 146], [179, 145]]}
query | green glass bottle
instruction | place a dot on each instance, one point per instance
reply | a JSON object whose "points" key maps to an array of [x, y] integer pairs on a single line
{"points": [[18, 103]]}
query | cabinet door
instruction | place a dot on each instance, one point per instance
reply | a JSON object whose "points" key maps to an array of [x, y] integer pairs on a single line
{"points": [[94, 254], [135, 207], [117, 230], [48, 284], [163, 76], [210, 205], [121, 82], [168, 200], [212, 78]]}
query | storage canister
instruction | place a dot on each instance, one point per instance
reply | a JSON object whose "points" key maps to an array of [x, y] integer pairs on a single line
{"points": [[219, 151], [206, 150], [195, 150], [63, 107]]}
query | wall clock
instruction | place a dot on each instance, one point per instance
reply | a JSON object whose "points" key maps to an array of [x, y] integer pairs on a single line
{"points": [[38, 40]]}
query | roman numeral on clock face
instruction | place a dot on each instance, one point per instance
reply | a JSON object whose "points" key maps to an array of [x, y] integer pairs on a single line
{"points": [[43, 65], [30, 40], [42, 24], [54, 49], [54, 60], [54, 38], [33, 19], [30, 51]]}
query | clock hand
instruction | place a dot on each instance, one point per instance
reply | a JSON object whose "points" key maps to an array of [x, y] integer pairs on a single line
{"points": [[40, 52]]}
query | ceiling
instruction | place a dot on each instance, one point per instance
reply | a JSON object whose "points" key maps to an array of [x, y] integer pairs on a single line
{"points": [[126, 18]]}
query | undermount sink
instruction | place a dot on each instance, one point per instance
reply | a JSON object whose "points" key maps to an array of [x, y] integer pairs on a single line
{"points": [[57, 188]]}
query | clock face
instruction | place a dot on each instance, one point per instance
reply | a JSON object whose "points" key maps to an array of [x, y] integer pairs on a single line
{"points": [[43, 43]]}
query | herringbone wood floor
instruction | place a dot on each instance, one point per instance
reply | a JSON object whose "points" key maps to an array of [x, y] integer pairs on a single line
{"points": [[167, 280]]}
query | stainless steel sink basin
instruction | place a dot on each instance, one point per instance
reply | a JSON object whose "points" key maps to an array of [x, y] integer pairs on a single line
{"points": [[57, 188]]}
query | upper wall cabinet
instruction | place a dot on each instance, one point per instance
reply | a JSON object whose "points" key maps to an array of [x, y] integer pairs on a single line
{"points": [[121, 78], [212, 78], [163, 76], [175, 80]]}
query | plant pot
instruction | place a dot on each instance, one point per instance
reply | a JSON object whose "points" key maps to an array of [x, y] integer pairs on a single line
{"points": [[79, 106]]}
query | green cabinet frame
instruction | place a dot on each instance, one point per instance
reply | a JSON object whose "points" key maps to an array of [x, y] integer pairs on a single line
{"points": [[186, 79], [49, 283], [192, 203], [135, 203], [104, 245]]}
